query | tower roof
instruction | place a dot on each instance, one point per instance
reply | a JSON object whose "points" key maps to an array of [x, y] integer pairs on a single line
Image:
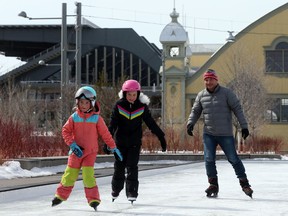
{"points": [[174, 31]]}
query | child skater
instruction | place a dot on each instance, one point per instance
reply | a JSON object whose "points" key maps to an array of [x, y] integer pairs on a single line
{"points": [[126, 125], [81, 133]]}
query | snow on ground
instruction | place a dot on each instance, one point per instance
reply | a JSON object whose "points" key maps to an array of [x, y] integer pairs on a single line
{"points": [[172, 191], [12, 169]]}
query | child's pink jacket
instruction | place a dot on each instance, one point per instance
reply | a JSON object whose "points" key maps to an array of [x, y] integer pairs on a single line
{"points": [[84, 129]]}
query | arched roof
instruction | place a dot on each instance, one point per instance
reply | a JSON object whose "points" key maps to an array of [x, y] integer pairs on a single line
{"points": [[27, 41]]}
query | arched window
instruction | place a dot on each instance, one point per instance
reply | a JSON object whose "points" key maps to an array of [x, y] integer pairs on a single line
{"points": [[277, 58], [282, 45]]}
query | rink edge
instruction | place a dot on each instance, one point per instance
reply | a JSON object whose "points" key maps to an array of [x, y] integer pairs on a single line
{"points": [[29, 163]]}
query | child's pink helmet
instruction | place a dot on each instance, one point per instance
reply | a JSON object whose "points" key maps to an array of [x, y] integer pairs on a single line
{"points": [[131, 85]]}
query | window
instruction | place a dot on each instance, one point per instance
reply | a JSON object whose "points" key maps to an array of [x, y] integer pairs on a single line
{"points": [[174, 51], [284, 110], [277, 58], [279, 112]]}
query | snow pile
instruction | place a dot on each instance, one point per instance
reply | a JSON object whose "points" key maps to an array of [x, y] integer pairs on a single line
{"points": [[12, 169]]}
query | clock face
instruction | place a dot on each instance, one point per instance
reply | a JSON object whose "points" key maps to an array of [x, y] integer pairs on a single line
{"points": [[174, 51]]}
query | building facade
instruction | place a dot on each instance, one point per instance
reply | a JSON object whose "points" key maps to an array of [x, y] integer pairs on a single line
{"points": [[261, 47]]}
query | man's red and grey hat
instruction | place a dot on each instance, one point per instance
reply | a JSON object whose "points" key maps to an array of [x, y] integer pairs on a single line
{"points": [[210, 73]]}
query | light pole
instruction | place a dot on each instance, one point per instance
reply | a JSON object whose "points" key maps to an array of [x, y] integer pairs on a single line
{"points": [[64, 44], [64, 47], [78, 45], [63, 40], [163, 90]]}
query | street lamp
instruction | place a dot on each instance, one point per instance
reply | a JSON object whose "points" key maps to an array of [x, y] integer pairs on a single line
{"points": [[24, 15], [43, 63], [64, 46], [63, 40]]}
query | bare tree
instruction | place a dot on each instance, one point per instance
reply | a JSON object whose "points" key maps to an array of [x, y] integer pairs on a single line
{"points": [[21, 104], [107, 95], [248, 83], [15, 106]]}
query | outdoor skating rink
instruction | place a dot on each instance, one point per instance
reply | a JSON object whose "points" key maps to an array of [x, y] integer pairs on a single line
{"points": [[174, 191]]}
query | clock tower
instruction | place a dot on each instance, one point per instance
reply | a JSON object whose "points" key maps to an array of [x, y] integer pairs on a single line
{"points": [[175, 67]]}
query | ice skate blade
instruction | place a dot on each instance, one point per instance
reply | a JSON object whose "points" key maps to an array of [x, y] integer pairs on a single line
{"points": [[94, 205], [56, 201], [131, 199], [212, 195], [248, 192], [250, 195]]}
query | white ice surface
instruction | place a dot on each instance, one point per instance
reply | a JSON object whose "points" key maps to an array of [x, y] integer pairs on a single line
{"points": [[170, 191]]}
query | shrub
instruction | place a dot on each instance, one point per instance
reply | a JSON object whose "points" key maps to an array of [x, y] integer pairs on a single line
{"points": [[263, 144], [176, 142], [19, 140]]}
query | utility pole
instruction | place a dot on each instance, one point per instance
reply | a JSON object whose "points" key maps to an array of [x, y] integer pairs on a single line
{"points": [[78, 29], [64, 49], [163, 101], [63, 62]]}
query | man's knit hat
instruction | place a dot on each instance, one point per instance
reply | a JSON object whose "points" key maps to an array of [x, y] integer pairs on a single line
{"points": [[210, 73]]}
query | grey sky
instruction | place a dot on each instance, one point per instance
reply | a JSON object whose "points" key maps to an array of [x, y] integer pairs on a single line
{"points": [[206, 21]]}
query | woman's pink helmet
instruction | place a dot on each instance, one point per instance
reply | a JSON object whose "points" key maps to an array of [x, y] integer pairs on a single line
{"points": [[131, 85]]}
